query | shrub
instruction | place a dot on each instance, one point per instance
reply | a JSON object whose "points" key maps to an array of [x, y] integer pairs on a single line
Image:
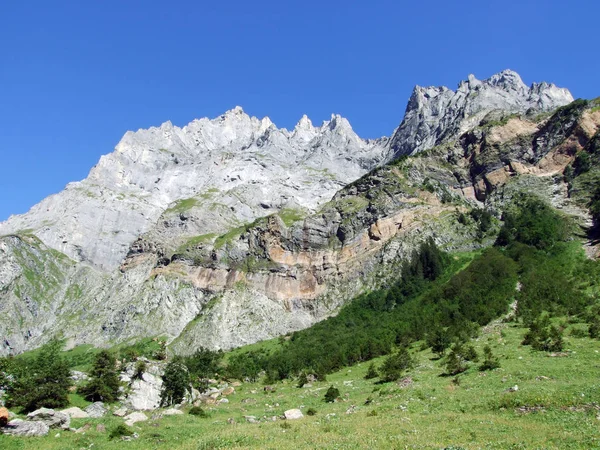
{"points": [[140, 368], [543, 336], [456, 362], [394, 365], [594, 329], [311, 412], [120, 431], [198, 412], [371, 372], [332, 394], [490, 362], [104, 379]]}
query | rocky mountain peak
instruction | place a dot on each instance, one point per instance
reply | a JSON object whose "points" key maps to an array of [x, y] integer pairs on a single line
{"points": [[434, 114]]}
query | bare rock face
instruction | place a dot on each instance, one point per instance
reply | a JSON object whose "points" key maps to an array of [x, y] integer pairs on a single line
{"points": [[250, 166], [144, 392], [435, 114]]}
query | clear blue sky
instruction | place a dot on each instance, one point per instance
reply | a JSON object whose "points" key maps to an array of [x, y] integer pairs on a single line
{"points": [[75, 75]]}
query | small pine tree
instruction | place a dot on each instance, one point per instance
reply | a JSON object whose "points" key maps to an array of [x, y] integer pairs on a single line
{"points": [[395, 365], [176, 382], [456, 362], [371, 372], [104, 381], [332, 394], [302, 380], [490, 362], [439, 341], [43, 382]]}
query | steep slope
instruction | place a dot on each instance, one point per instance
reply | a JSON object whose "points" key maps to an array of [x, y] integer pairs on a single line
{"points": [[224, 232], [248, 165]]}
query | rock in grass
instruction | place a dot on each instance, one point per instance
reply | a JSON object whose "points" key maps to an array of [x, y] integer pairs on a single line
{"points": [[293, 414], [18, 427], [135, 417], [52, 418], [75, 413], [96, 410], [121, 412], [172, 412]]}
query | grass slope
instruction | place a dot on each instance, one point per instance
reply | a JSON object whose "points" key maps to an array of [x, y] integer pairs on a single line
{"points": [[555, 406]]}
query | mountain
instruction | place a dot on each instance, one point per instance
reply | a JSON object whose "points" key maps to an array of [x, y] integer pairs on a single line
{"points": [[435, 114], [229, 231]]}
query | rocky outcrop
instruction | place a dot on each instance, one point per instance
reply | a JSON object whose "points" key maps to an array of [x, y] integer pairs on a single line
{"points": [[437, 114], [144, 390], [202, 178]]}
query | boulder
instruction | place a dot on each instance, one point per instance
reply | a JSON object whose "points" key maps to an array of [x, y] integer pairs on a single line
{"points": [[83, 429], [3, 416], [121, 412], [223, 400], [172, 412], [96, 410], [75, 413], [18, 427], [135, 417], [145, 392], [101, 428], [251, 419], [52, 418], [293, 414], [228, 391]]}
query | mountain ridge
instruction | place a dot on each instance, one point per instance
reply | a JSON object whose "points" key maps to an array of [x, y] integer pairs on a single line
{"points": [[257, 237]]}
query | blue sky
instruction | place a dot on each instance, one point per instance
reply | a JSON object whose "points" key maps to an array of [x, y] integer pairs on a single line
{"points": [[75, 75]]}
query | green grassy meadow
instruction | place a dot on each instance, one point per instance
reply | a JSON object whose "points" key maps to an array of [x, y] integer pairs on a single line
{"points": [[556, 406]]}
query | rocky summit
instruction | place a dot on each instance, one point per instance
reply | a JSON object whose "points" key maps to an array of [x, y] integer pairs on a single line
{"points": [[230, 230]]}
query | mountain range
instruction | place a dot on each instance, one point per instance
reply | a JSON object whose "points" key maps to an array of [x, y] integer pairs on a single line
{"points": [[230, 230]]}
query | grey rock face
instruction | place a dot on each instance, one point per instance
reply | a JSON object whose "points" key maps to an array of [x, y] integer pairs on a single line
{"points": [[435, 114], [145, 392], [18, 427], [52, 418], [251, 167]]}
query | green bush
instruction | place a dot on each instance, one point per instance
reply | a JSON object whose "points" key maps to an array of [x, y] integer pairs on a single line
{"points": [[198, 412], [371, 372], [395, 365], [332, 394], [490, 362], [532, 222], [120, 431], [544, 336], [311, 412]]}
